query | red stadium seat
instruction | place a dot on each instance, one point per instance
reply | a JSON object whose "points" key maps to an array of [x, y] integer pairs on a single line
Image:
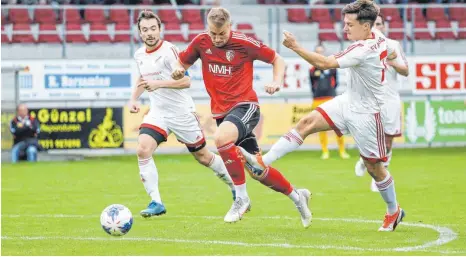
{"points": [[421, 31], [297, 16], [99, 33], [396, 30], [444, 24], [173, 32], [457, 13], [168, 15], [20, 16], [391, 14], [22, 38], [329, 35], [45, 16], [194, 30], [119, 16], [77, 36], [436, 14], [244, 26], [174, 38], [337, 15], [5, 39], [71, 16], [48, 34], [462, 25], [95, 15], [191, 15], [125, 35], [320, 15]]}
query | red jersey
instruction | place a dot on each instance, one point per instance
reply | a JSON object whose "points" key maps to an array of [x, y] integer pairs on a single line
{"points": [[227, 71]]}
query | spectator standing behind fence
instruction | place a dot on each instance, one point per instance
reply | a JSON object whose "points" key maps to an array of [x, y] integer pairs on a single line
{"points": [[323, 86], [25, 130]]}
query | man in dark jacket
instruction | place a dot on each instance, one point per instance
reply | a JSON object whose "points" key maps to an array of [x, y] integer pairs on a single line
{"points": [[25, 130], [323, 86]]}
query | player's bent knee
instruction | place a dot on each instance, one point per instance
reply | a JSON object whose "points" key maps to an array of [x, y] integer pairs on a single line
{"points": [[309, 124], [226, 133]]}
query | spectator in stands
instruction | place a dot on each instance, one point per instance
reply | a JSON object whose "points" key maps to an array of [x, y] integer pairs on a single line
{"points": [[323, 87], [25, 130]]}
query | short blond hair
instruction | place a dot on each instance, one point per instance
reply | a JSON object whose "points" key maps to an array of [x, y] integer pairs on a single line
{"points": [[219, 16]]}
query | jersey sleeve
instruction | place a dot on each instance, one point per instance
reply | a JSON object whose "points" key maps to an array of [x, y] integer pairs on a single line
{"points": [[172, 57], [191, 53], [400, 55], [261, 52], [352, 56]]}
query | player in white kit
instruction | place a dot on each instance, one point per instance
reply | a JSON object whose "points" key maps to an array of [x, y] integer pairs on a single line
{"points": [[357, 112], [391, 110], [171, 111]]}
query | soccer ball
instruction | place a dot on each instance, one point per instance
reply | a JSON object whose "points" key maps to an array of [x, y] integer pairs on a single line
{"points": [[116, 220]]}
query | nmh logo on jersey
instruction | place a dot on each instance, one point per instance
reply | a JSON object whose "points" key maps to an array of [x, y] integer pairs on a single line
{"points": [[221, 69]]}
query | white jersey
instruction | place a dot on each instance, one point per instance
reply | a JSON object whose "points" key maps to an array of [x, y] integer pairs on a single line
{"points": [[365, 60], [392, 82], [157, 65]]}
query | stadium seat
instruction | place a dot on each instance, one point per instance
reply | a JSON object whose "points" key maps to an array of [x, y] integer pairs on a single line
{"points": [[444, 24], [191, 15], [320, 15], [77, 36], [417, 14], [457, 13], [4, 19], [396, 30], [168, 15], [48, 34], [244, 26], [194, 30], [19, 16], [45, 16], [22, 38], [337, 15], [99, 33], [95, 16], [119, 16], [435, 14], [124, 29], [5, 38], [173, 32], [328, 35], [297, 16], [391, 14], [462, 25], [421, 31], [71, 16]]}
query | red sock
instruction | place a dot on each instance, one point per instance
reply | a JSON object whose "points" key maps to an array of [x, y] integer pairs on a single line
{"points": [[275, 180], [232, 158]]}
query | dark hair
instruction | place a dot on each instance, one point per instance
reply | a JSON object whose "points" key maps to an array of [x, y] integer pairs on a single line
{"points": [[219, 16], [366, 11], [147, 15]]}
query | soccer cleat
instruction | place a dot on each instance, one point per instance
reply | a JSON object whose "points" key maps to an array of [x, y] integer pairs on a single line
{"points": [[344, 155], [239, 207], [374, 187], [253, 162], [325, 156], [360, 168], [303, 207], [391, 221], [153, 209]]}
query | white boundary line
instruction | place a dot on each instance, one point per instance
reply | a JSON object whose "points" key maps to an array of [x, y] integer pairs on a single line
{"points": [[446, 235]]}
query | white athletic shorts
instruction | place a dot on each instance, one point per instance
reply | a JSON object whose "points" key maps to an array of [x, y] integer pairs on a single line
{"points": [[391, 117], [366, 128], [186, 127]]}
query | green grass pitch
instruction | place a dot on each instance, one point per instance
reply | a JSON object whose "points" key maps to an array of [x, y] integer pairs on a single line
{"points": [[54, 208]]}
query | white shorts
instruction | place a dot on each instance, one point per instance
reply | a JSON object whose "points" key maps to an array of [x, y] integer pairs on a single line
{"points": [[186, 127], [366, 128], [391, 118]]}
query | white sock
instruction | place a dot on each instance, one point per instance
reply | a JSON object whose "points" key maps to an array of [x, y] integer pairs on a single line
{"points": [[217, 165], [287, 143], [387, 190], [241, 191], [389, 158], [294, 196], [150, 178]]}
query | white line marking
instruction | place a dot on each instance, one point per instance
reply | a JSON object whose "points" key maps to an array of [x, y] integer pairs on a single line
{"points": [[446, 235]]}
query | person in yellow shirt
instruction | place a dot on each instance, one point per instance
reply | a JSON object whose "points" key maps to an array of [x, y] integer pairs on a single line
{"points": [[323, 86]]}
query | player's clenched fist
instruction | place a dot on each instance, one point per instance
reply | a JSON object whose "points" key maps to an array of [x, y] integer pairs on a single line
{"points": [[290, 40], [133, 107], [272, 88], [178, 73]]}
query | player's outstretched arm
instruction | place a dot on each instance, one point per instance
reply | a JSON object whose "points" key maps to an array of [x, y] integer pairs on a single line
{"points": [[135, 94], [317, 60]]}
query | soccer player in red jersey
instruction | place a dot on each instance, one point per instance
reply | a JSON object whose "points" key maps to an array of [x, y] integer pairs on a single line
{"points": [[227, 66]]}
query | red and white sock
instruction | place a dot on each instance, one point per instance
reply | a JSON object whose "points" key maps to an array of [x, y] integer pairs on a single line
{"points": [[287, 143], [232, 159]]}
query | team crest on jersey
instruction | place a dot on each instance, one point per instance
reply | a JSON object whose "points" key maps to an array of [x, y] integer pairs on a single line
{"points": [[230, 55]]}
